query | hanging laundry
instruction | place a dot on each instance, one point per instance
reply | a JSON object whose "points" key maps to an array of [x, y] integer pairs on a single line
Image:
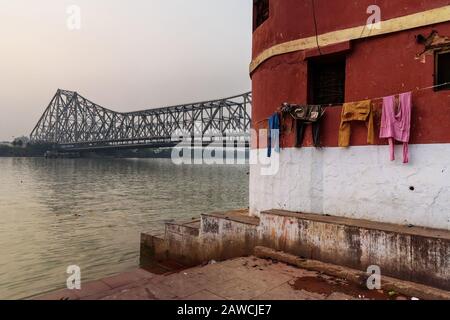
{"points": [[304, 115], [301, 126], [396, 122], [273, 134], [356, 111]]}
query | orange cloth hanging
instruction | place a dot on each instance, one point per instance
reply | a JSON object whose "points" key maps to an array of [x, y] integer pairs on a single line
{"points": [[356, 111]]}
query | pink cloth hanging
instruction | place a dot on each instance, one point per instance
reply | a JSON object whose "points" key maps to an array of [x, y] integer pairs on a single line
{"points": [[396, 122]]}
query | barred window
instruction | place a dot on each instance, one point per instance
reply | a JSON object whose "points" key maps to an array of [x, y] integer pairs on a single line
{"points": [[261, 12], [442, 73], [326, 80]]}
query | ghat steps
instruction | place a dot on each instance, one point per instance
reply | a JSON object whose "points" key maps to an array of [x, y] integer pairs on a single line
{"points": [[409, 253]]}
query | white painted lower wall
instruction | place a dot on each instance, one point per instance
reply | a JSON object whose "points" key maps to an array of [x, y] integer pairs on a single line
{"points": [[358, 182]]}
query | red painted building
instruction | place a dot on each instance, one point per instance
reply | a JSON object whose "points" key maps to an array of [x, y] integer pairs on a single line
{"points": [[325, 52]]}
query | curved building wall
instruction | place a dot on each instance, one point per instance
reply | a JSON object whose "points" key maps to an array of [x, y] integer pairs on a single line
{"points": [[359, 181]]}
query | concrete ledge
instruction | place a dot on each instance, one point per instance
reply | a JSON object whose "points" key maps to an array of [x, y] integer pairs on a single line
{"points": [[366, 224], [388, 284], [413, 254], [216, 236], [184, 228], [239, 216], [228, 235]]}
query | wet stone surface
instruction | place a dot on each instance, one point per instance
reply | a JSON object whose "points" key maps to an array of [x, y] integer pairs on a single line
{"points": [[241, 278]]}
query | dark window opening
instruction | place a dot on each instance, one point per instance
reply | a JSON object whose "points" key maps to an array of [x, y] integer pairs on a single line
{"points": [[442, 70], [326, 80], [260, 12]]}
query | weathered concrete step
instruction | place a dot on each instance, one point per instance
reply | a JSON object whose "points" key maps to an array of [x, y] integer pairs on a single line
{"points": [[189, 228], [365, 224], [238, 216], [410, 253], [358, 277], [215, 236]]}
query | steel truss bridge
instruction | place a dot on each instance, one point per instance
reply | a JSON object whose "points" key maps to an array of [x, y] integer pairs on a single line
{"points": [[73, 123]]}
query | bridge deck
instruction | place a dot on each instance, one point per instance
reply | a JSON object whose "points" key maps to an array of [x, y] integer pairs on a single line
{"points": [[74, 123]]}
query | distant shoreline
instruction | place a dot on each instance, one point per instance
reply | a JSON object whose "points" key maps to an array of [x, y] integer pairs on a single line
{"points": [[23, 151], [39, 150]]}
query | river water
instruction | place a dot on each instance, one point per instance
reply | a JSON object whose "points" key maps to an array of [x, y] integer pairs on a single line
{"points": [[90, 212]]}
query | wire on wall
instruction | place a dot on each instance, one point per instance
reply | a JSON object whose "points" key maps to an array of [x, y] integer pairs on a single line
{"points": [[372, 99], [315, 25]]}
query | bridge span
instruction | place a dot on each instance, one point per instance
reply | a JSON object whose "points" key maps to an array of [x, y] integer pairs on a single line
{"points": [[74, 123]]}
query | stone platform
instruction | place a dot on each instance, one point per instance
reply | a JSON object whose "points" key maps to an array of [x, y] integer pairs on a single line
{"points": [[237, 279]]}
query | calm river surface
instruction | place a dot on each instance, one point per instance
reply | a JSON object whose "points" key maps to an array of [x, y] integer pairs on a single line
{"points": [[90, 212]]}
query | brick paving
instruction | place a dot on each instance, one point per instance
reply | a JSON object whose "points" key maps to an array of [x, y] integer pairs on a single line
{"points": [[242, 278]]}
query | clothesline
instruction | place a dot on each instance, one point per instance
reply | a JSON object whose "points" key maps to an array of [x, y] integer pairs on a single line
{"points": [[373, 99], [416, 90]]}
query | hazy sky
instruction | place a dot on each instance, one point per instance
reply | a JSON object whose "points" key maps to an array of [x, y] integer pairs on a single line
{"points": [[128, 55]]}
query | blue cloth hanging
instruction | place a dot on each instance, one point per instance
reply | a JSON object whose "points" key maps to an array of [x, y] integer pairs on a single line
{"points": [[274, 134]]}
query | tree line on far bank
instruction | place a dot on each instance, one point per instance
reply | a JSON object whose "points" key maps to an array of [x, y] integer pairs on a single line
{"points": [[22, 147]]}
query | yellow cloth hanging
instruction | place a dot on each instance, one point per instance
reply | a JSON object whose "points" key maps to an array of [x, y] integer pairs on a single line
{"points": [[356, 111]]}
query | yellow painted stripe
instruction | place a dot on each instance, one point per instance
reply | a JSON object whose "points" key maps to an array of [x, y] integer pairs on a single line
{"points": [[412, 21]]}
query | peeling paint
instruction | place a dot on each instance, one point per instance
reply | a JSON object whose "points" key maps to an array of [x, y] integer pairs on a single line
{"points": [[432, 43]]}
